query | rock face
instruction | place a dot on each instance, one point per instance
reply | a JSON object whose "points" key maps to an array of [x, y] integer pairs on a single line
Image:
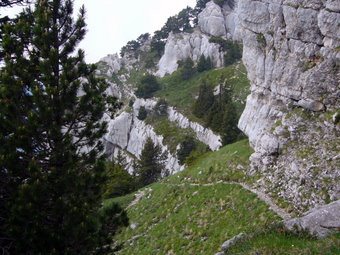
{"points": [[128, 133], [291, 51], [203, 134], [217, 21], [114, 63], [187, 45], [319, 221], [212, 20]]}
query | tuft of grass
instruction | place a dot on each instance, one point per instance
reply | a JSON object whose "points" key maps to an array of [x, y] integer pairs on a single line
{"points": [[279, 241], [228, 164], [123, 202]]}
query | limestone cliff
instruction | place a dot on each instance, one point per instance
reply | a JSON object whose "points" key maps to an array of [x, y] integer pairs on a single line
{"points": [[187, 45], [291, 51], [212, 21], [129, 134]]}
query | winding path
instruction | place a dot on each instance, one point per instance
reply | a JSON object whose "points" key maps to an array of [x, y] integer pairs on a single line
{"points": [[261, 195]]}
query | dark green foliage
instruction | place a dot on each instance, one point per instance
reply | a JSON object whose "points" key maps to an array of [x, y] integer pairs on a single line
{"points": [[222, 116], [204, 64], [184, 18], [10, 3], [147, 86], [143, 38], [119, 182], [161, 108], [187, 69], [200, 4], [219, 40], [142, 113], [186, 147], [51, 107], [131, 102], [133, 46], [233, 50], [204, 101], [158, 42], [234, 54], [111, 219], [150, 166], [178, 23], [231, 3], [218, 112]]}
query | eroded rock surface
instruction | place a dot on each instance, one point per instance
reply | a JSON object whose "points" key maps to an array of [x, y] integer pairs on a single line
{"points": [[291, 52], [128, 133], [187, 45], [319, 222]]}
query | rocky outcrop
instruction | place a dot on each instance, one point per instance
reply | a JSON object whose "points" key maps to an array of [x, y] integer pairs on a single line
{"points": [[128, 133], [211, 20], [113, 64], [291, 52], [203, 134], [319, 222], [187, 45], [217, 21]]}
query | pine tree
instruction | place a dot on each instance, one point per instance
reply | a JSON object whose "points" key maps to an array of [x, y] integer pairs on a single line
{"points": [[119, 182], [150, 166], [51, 107], [187, 69], [186, 147], [204, 101], [204, 64], [148, 85]]}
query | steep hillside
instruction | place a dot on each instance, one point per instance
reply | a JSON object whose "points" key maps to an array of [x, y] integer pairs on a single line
{"points": [[291, 58], [197, 210], [179, 40]]}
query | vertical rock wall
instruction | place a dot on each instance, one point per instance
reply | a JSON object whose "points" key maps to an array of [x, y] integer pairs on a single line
{"points": [[292, 54]]}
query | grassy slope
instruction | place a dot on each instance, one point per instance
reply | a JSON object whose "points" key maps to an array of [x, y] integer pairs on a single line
{"points": [[172, 133], [181, 93], [177, 217]]}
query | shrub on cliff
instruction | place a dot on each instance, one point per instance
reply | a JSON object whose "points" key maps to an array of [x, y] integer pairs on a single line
{"points": [[204, 64], [186, 147], [142, 113], [148, 85], [161, 108], [186, 68], [204, 101]]}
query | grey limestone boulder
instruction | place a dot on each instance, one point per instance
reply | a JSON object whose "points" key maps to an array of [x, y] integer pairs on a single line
{"points": [[212, 21], [320, 221]]}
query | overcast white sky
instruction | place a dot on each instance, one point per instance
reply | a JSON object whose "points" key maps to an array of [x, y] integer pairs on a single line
{"points": [[112, 23]]}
